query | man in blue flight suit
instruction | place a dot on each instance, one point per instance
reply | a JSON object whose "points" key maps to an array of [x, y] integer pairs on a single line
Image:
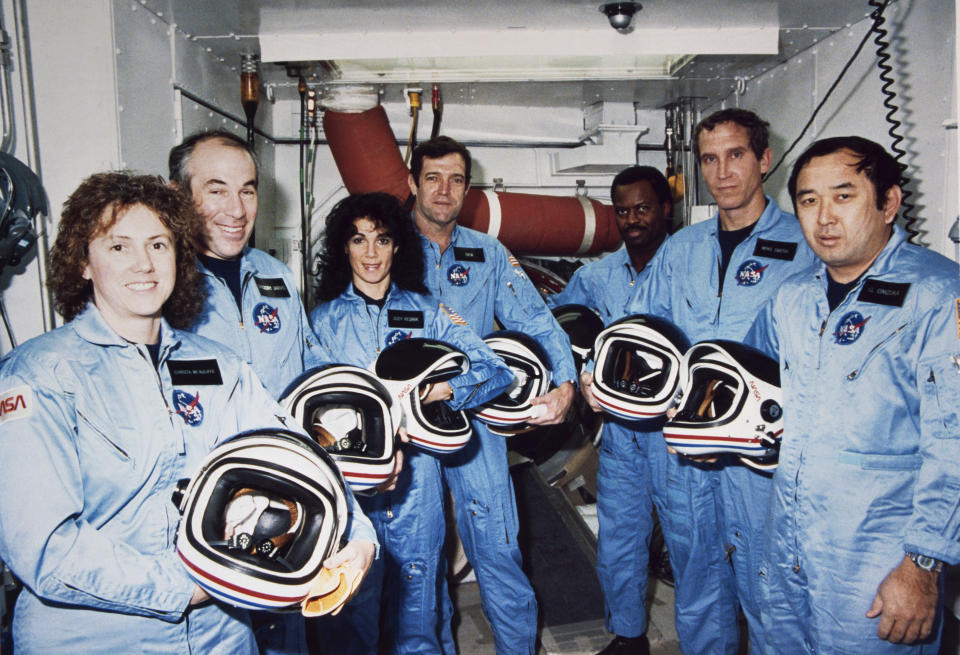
{"points": [[475, 273], [253, 305], [710, 279], [865, 497], [642, 206]]}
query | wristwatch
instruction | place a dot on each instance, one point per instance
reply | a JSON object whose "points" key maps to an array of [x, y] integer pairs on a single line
{"points": [[926, 563]]}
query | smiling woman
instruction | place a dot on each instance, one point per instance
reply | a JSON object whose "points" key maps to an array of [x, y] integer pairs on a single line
{"points": [[112, 409], [93, 229]]}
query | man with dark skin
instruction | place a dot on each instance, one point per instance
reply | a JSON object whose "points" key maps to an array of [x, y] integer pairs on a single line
{"points": [[642, 206]]}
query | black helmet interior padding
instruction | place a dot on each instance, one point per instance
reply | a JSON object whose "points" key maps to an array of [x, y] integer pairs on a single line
{"points": [[639, 374], [713, 395], [292, 556], [366, 439]]}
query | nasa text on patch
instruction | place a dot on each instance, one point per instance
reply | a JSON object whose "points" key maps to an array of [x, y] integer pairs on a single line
{"points": [[403, 318], [468, 254], [272, 287], [884, 293], [16, 403], [194, 372], [785, 250]]}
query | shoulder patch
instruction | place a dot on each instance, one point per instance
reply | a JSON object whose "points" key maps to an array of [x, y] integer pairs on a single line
{"points": [[452, 315], [513, 261], [16, 403], [957, 313]]}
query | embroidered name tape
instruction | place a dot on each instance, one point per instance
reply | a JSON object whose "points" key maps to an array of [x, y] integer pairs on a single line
{"points": [[404, 318], [468, 254], [785, 250], [190, 372], [879, 292], [273, 287]]}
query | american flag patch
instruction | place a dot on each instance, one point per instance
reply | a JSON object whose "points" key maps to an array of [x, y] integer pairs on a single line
{"points": [[957, 310], [454, 317], [513, 261]]}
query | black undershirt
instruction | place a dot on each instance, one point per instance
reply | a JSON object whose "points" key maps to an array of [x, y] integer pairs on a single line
{"points": [[837, 291], [729, 240], [227, 270], [367, 299], [154, 350]]}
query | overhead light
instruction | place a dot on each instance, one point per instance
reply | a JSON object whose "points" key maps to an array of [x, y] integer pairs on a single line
{"points": [[620, 14]]}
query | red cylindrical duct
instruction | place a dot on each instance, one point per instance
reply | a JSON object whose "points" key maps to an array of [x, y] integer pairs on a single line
{"points": [[368, 159]]}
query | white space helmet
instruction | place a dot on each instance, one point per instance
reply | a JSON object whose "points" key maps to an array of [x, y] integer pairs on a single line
{"points": [[407, 369], [507, 414], [731, 404], [638, 367], [352, 415], [582, 325], [259, 517]]}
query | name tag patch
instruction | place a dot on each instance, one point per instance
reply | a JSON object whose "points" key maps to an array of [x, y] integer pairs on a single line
{"points": [[879, 292], [401, 318], [468, 254], [16, 403], [785, 250], [272, 287], [190, 372]]}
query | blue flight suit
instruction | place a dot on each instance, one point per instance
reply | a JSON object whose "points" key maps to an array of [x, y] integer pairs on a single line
{"points": [[870, 461], [93, 439], [271, 333], [712, 516], [409, 520], [624, 501], [478, 276]]}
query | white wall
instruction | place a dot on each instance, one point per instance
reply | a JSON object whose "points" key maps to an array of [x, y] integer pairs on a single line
{"points": [[921, 36], [104, 75]]}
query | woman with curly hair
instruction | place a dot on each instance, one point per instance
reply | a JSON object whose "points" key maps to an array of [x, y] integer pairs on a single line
{"points": [[102, 417], [372, 295]]}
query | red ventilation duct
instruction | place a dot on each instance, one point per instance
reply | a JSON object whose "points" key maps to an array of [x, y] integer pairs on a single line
{"points": [[368, 159]]}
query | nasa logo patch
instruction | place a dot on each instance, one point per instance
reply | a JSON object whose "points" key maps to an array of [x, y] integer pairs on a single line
{"points": [[850, 328], [266, 318], [750, 273], [16, 403], [458, 275], [188, 407], [397, 335]]}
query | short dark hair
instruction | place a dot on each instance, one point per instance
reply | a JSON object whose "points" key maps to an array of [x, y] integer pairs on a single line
{"points": [[385, 211], [96, 205], [873, 160], [649, 174], [178, 162], [439, 146], [756, 127]]}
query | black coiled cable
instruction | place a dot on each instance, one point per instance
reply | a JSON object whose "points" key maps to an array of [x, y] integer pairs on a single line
{"points": [[889, 102]]}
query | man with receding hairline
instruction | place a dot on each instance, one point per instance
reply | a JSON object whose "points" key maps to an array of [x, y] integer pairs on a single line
{"points": [[864, 511], [710, 279]]}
